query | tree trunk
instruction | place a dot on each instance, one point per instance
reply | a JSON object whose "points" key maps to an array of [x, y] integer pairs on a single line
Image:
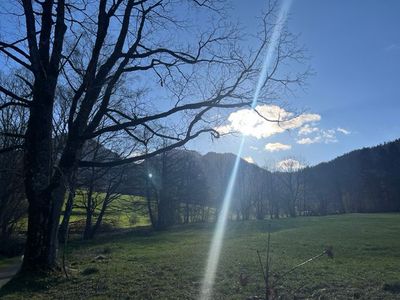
{"points": [[41, 243], [88, 224], [99, 219], [150, 210], [186, 221], [292, 209], [163, 213], [45, 194], [89, 211], [63, 231], [148, 200], [276, 211]]}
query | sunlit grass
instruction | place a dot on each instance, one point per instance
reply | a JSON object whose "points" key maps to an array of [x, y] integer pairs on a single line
{"points": [[170, 265], [120, 212], [114, 217]]}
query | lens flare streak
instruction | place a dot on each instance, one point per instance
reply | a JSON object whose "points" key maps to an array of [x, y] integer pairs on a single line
{"points": [[216, 243]]}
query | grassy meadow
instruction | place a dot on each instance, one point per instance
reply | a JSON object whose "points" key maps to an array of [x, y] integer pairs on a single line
{"points": [[170, 265], [116, 215], [124, 212]]}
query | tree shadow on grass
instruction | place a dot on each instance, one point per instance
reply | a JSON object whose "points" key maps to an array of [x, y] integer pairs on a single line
{"points": [[29, 283]]}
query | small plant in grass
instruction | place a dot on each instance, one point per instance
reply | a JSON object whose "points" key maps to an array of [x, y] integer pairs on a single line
{"points": [[272, 279]]}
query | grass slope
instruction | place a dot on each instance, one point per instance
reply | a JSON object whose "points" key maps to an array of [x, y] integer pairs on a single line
{"points": [[169, 265], [116, 212]]}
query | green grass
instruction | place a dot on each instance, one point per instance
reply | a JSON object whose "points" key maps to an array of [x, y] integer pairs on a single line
{"points": [[169, 265], [114, 214]]}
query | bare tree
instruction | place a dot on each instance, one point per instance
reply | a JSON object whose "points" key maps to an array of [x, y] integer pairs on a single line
{"points": [[261, 196], [96, 203], [97, 188], [164, 184], [270, 186], [292, 184], [174, 75], [192, 190]]}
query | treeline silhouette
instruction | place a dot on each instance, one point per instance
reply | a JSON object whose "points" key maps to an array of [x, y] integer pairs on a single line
{"points": [[181, 186], [365, 180]]}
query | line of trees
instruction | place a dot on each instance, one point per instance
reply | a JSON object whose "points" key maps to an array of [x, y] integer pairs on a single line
{"points": [[181, 187], [366, 180]]}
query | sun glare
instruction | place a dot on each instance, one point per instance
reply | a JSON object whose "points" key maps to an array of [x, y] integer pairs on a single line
{"points": [[217, 240]]}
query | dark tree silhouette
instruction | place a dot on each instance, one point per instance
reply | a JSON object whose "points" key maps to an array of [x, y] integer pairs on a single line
{"points": [[12, 198]]}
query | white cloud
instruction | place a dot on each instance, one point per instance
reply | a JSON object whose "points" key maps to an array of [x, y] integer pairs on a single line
{"points": [[329, 136], [326, 136], [289, 165], [249, 159], [253, 148], [225, 129], [344, 131], [307, 141], [274, 147], [307, 129], [275, 120]]}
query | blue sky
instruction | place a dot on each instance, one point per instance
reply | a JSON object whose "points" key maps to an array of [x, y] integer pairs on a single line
{"points": [[354, 49], [355, 52]]}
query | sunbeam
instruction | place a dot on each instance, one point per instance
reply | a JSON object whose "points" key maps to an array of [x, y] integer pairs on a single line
{"points": [[216, 244]]}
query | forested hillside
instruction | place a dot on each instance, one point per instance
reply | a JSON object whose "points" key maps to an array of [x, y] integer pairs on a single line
{"points": [[366, 180]]}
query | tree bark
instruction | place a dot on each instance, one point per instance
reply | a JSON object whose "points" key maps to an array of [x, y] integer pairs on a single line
{"points": [[41, 244], [45, 192], [40, 249]]}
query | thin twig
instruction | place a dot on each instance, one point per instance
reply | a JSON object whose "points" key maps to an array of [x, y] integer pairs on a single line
{"points": [[261, 264]]}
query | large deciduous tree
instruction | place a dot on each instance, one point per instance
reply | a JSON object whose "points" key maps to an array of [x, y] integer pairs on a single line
{"points": [[129, 67]]}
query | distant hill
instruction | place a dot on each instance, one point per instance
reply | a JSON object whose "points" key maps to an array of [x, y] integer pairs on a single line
{"points": [[364, 180]]}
